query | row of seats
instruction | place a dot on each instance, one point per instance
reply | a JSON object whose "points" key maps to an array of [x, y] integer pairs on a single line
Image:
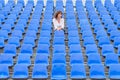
{"points": [[59, 71]]}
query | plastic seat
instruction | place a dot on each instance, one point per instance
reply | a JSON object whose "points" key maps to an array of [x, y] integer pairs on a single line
{"points": [[31, 33], [76, 59], [29, 40], [17, 33], [73, 41], [6, 60], [4, 34], [58, 72], [59, 49], [40, 71], [58, 59], [116, 41], [20, 71], [94, 59], [111, 59], [97, 72], [44, 40], [41, 59], [58, 41], [14, 41], [107, 49], [45, 33], [43, 48], [114, 71], [20, 27], [10, 49], [73, 33], [92, 48], [26, 49], [103, 41], [4, 71], [1, 42], [78, 72], [75, 49], [88, 41], [114, 34], [59, 34], [7, 27], [24, 59]]}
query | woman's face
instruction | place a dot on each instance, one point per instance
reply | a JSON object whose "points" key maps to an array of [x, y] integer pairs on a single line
{"points": [[59, 15]]}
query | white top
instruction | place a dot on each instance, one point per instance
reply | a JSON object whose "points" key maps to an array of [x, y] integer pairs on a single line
{"points": [[57, 24]]}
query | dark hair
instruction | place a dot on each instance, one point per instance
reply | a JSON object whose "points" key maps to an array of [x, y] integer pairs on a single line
{"points": [[56, 14]]}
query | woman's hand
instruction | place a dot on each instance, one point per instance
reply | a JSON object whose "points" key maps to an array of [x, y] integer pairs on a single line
{"points": [[59, 28]]}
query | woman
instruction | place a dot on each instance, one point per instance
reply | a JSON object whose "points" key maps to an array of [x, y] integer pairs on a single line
{"points": [[58, 21]]}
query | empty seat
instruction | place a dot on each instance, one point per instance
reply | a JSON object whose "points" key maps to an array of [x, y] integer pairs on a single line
{"points": [[103, 41], [40, 71], [26, 49], [41, 59], [58, 72], [4, 34], [107, 49], [14, 41], [92, 48], [1, 42], [114, 71], [24, 59], [116, 41], [97, 72], [59, 33], [58, 59], [17, 33], [59, 49], [58, 41], [31, 33], [76, 59], [4, 71], [29, 40], [73, 41], [43, 48], [10, 49], [6, 59], [94, 59], [44, 40], [111, 59], [78, 72], [75, 49], [88, 41], [20, 71]]}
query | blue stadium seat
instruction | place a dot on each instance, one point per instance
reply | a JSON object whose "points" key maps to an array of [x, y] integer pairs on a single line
{"points": [[88, 41], [59, 49], [58, 72], [59, 33], [114, 34], [76, 59], [24, 59], [45, 33], [14, 41], [58, 59], [75, 49], [31, 33], [78, 72], [114, 71], [10, 49], [26, 49], [58, 41], [92, 48], [94, 59], [7, 27], [43, 48], [107, 49], [4, 34], [17, 33], [97, 71], [44, 40], [111, 59], [6, 60], [1, 42], [39, 72], [4, 71], [41, 59], [20, 71], [73, 33], [103, 41], [116, 41], [73, 41], [20, 27], [29, 40]]}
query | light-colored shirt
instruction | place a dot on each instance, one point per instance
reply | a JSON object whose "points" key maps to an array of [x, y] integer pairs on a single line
{"points": [[58, 24]]}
